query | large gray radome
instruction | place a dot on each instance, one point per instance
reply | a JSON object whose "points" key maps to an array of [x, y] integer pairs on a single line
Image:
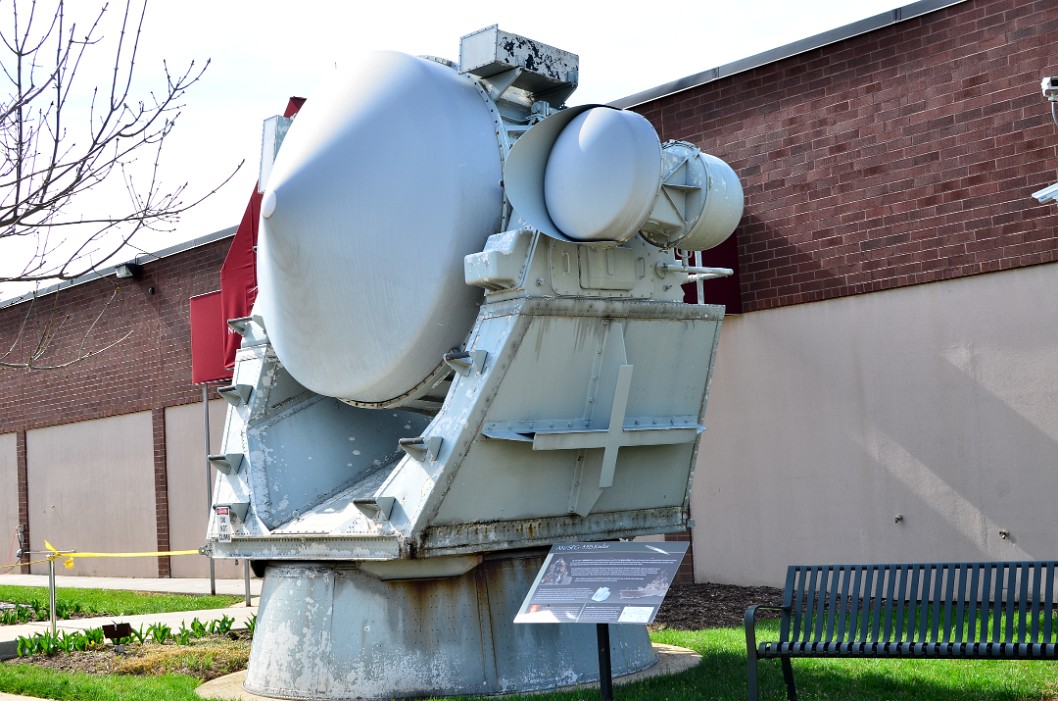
{"points": [[384, 183]]}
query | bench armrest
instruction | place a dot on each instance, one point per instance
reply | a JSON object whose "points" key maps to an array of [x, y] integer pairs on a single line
{"points": [[751, 623]]}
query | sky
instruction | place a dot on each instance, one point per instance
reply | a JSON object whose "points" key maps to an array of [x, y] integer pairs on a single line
{"points": [[263, 51]]}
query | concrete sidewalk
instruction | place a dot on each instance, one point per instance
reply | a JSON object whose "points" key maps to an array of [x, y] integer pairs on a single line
{"points": [[240, 612]]}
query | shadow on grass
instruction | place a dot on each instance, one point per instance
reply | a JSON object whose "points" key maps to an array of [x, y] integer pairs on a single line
{"points": [[723, 676]]}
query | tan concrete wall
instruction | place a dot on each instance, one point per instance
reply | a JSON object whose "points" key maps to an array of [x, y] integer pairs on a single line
{"points": [[185, 471], [91, 488], [8, 499], [937, 403]]}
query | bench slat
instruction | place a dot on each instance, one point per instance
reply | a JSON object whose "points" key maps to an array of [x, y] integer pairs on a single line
{"points": [[951, 573], [835, 606], [1023, 602], [1048, 603], [1037, 579], [901, 595], [936, 596], [820, 594], [856, 603], [848, 597], [986, 597], [962, 596], [887, 607], [1008, 618], [972, 599], [799, 604], [876, 605]]}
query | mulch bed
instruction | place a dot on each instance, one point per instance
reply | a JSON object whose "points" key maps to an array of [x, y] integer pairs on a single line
{"points": [[697, 606]]}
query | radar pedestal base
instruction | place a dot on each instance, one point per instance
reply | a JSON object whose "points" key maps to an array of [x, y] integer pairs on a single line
{"points": [[333, 631]]}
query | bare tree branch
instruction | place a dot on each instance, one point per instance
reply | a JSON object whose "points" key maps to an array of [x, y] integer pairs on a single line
{"points": [[47, 335], [68, 130]]}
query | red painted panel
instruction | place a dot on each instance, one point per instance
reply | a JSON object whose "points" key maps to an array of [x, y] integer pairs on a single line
{"points": [[209, 331]]}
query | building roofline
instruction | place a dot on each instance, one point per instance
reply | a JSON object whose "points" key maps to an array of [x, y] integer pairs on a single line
{"points": [[140, 259], [832, 36]]}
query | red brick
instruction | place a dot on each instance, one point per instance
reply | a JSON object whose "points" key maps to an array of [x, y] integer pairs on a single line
{"points": [[933, 126]]}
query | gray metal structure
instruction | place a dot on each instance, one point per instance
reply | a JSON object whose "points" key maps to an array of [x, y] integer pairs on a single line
{"points": [[401, 450]]}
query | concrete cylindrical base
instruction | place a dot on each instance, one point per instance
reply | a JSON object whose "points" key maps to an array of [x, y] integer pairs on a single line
{"points": [[332, 631]]}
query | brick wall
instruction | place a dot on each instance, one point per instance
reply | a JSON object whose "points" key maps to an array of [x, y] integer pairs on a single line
{"points": [[151, 368], [903, 156], [685, 573]]}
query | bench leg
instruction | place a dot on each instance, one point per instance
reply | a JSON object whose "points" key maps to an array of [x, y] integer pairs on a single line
{"points": [[751, 677], [787, 674]]}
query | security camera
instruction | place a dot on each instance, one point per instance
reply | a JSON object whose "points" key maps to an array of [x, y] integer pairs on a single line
{"points": [[1047, 194], [1049, 85]]}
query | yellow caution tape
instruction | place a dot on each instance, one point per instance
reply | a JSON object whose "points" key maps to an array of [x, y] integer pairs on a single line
{"points": [[68, 557], [22, 564]]}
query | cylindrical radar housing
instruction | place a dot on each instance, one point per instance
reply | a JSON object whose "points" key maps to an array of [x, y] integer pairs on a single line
{"points": [[602, 175], [597, 175], [701, 200], [587, 174], [385, 181]]}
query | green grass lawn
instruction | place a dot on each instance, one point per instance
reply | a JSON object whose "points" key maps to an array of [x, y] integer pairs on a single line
{"points": [[47, 684], [720, 676], [114, 602]]}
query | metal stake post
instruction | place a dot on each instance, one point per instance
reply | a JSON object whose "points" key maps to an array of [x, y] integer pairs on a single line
{"points": [[52, 556], [209, 488], [246, 577], [51, 592], [602, 631]]}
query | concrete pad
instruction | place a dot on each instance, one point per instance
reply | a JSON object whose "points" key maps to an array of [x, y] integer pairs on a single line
{"points": [[671, 660]]}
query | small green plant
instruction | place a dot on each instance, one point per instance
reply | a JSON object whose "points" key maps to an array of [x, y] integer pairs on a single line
{"points": [[139, 635], [198, 628], [160, 633], [251, 624], [95, 638], [40, 609], [24, 646], [221, 627], [64, 642], [183, 636], [66, 609], [39, 644]]}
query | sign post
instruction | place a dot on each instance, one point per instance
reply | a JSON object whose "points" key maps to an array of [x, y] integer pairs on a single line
{"points": [[602, 583]]}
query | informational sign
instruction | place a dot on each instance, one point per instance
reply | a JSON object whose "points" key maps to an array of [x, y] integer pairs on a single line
{"points": [[224, 529], [611, 582]]}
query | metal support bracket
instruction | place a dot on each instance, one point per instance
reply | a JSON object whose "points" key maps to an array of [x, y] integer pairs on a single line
{"points": [[377, 508], [237, 509], [421, 448], [464, 362], [228, 463], [236, 395]]}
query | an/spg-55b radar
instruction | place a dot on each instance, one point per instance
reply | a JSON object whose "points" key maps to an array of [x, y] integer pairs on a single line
{"points": [[469, 343]]}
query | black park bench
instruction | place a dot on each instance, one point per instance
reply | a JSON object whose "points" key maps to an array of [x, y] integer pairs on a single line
{"points": [[992, 610]]}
